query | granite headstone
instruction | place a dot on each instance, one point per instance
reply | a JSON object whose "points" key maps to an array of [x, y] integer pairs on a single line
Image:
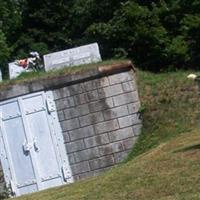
{"points": [[72, 57], [1, 76]]}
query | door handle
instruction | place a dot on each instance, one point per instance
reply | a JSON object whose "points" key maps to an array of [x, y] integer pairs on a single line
{"points": [[35, 144], [27, 146]]}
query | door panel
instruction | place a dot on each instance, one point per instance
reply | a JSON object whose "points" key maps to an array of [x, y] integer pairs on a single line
{"points": [[12, 130], [10, 109], [33, 103], [42, 137], [45, 152], [33, 143], [28, 189], [20, 159]]}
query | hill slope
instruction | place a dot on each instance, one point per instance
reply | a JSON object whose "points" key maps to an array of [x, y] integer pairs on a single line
{"points": [[170, 171], [165, 164], [170, 106]]}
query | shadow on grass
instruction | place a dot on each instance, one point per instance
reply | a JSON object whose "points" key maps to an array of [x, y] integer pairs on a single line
{"points": [[190, 148]]}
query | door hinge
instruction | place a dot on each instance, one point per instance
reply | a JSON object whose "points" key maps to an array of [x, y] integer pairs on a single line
{"points": [[66, 172], [1, 119], [13, 189], [50, 104]]}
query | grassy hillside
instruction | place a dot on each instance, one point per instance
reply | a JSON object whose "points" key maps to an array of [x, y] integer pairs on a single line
{"points": [[165, 164], [170, 106]]}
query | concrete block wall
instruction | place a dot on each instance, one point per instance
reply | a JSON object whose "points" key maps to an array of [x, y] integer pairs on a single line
{"points": [[100, 121]]}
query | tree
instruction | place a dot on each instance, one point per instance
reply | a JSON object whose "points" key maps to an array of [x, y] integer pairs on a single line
{"points": [[136, 31], [190, 29], [4, 52], [156, 34], [10, 12], [45, 26]]}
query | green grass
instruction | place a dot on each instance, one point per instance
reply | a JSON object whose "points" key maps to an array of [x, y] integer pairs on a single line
{"points": [[165, 163], [170, 106]]}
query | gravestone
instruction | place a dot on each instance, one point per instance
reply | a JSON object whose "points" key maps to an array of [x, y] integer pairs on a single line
{"points": [[15, 70], [1, 76], [72, 57]]}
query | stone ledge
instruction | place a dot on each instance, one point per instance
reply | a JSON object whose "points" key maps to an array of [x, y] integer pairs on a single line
{"points": [[50, 83]]}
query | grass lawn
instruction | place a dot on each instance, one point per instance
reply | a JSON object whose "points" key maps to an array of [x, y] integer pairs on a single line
{"points": [[170, 106], [165, 163]]}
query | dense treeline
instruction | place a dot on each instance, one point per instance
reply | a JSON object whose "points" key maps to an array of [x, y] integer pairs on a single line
{"points": [[157, 35]]}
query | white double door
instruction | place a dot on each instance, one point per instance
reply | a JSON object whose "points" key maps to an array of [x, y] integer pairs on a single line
{"points": [[31, 144]]}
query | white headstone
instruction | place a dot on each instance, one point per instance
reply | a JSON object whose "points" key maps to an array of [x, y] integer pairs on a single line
{"points": [[72, 57], [15, 70], [1, 76]]}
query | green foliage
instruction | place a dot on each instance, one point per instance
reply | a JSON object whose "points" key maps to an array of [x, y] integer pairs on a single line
{"points": [[156, 34], [10, 19], [45, 23], [4, 51], [148, 33]]}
